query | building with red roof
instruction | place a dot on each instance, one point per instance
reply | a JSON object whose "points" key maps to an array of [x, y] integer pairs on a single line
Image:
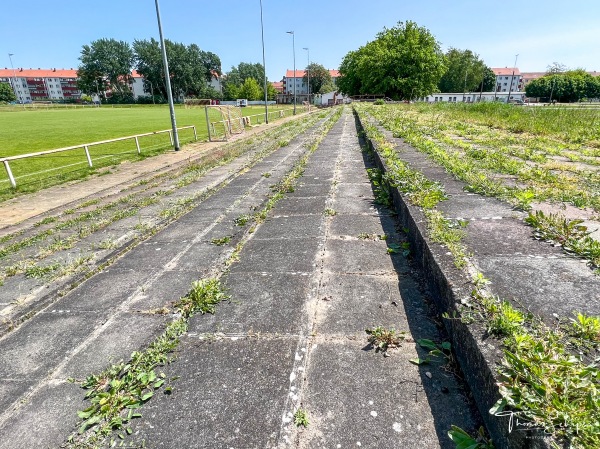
{"points": [[42, 84], [297, 78], [508, 79]]}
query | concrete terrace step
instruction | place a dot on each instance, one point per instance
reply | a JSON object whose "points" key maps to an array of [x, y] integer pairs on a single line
{"points": [[110, 315], [303, 292], [537, 277], [293, 336]]}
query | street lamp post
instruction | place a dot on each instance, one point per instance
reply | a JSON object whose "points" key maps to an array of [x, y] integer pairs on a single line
{"points": [[512, 78], [294, 53], [308, 74], [262, 35], [167, 80], [10, 55]]}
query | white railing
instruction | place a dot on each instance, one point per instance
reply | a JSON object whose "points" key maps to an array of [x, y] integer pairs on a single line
{"points": [[85, 146]]}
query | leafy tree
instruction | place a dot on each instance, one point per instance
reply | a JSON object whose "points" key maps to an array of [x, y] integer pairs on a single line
{"points": [[403, 62], [573, 85], [271, 92], [350, 81], [489, 81], [105, 65], [191, 68], [465, 72], [6, 93], [251, 90], [236, 77], [319, 78]]}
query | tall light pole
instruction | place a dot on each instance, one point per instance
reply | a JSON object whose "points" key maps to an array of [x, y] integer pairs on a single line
{"points": [[167, 80], [10, 55], [262, 35], [511, 80], [308, 74], [294, 53]]}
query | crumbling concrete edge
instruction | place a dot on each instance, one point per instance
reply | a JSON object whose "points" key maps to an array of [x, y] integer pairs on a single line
{"points": [[476, 353]]}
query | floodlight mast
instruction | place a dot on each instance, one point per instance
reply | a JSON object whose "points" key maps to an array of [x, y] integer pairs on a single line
{"points": [[294, 53], [167, 80], [10, 55], [262, 34], [308, 75]]}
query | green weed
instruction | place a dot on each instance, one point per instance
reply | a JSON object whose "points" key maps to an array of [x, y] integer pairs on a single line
{"points": [[383, 339]]}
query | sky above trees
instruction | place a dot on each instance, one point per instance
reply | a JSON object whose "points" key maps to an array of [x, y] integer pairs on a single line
{"points": [[540, 31]]}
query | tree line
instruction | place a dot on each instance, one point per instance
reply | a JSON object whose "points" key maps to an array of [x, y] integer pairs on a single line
{"points": [[106, 66], [564, 85], [406, 62]]}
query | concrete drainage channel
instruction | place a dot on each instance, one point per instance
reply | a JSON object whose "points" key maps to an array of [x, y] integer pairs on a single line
{"points": [[326, 264]]}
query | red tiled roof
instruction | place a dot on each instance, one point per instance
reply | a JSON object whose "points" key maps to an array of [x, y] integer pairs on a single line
{"points": [[300, 73], [505, 71], [46, 73], [38, 73]]}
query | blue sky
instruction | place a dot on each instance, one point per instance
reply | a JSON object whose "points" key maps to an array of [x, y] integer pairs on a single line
{"points": [[50, 34]]}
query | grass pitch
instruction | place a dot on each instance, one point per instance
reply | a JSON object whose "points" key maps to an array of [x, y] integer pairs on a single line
{"points": [[25, 131]]}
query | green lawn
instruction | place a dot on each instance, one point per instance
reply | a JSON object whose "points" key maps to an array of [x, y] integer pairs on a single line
{"points": [[34, 130]]}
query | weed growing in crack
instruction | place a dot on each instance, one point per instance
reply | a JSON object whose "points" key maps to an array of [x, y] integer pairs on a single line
{"points": [[443, 350], [329, 212], [242, 220], [301, 418], [465, 441], [122, 388], [383, 339], [570, 234], [222, 241]]}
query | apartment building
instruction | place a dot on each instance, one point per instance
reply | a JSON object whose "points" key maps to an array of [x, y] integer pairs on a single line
{"points": [[508, 79], [290, 79], [42, 84]]}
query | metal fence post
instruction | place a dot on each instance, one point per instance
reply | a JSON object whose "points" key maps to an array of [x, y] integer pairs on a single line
{"points": [[195, 133], [10, 175], [87, 154], [171, 137], [137, 144]]}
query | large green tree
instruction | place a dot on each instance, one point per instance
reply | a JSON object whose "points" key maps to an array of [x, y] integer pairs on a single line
{"points": [[105, 65], [191, 68], [319, 78], [465, 72], [573, 85], [235, 78], [6, 93], [251, 90], [403, 62]]}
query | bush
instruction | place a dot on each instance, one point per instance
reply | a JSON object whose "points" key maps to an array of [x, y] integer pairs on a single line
{"points": [[379, 102]]}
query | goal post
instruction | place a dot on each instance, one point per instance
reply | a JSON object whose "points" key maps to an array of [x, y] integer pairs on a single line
{"points": [[223, 121]]}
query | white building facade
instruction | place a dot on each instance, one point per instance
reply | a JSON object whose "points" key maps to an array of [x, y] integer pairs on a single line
{"points": [[508, 79], [473, 97]]}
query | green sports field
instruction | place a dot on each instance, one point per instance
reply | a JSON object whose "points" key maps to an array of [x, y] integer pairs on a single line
{"points": [[34, 130]]}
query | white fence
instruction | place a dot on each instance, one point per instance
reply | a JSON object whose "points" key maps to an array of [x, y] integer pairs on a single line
{"points": [[85, 146]]}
